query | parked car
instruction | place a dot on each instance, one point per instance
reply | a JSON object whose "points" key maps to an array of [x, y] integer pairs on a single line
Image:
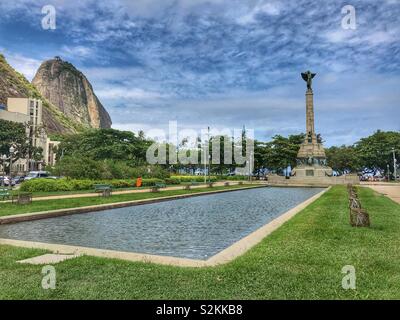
{"points": [[37, 174], [18, 179], [5, 181]]}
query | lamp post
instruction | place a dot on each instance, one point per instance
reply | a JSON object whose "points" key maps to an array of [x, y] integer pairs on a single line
{"points": [[394, 164], [388, 173], [205, 163], [209, 155], [12, 150], [3, 167], [250, 162]]}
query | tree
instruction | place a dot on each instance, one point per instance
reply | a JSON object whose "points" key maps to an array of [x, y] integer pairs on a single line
{"points": [[15, 134], [282, 152], [343, 159], [375, 151], [101, 144], [261, 153]]}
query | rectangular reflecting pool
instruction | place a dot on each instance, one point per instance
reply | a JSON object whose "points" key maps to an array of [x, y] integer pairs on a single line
{"points": [[196, 227]]}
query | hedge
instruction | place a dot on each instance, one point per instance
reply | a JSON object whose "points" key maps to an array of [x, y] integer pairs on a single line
{"points": [[235, 178], [194, 178], [65, 184], [50, 185]]}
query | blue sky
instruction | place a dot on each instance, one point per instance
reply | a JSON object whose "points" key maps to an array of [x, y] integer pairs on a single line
{"points": [[223, 63]]}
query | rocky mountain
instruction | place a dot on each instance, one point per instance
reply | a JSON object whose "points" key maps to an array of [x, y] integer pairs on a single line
{"points": [[15, 85], [70, 92]]}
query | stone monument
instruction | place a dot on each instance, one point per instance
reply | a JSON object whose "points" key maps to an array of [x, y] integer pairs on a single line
{"points": [[311, 158], [311, 169]]}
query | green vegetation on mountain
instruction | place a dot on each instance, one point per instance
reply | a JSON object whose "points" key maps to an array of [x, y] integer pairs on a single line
{"points": [[14, 85]]}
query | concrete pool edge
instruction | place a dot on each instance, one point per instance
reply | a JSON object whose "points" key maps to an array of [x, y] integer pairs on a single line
{"points": [[23, 217], [232, 252]]}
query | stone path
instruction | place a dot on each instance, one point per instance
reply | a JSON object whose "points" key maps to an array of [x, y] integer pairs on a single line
{"points": [[391, 191], [50, 258]]}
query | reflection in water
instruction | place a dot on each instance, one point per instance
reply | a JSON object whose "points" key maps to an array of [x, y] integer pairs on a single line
{"points": [[196, 227]]}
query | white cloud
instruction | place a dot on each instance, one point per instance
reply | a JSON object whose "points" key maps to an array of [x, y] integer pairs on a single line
{"points": [[76, 52], [378, 38], [269, 8], [123, 93]]}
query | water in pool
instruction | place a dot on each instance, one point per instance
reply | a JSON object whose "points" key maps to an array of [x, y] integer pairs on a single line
{"points": [[196, 228]]}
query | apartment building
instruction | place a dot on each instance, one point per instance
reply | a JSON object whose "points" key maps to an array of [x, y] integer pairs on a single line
{"points": [[30, 111]]}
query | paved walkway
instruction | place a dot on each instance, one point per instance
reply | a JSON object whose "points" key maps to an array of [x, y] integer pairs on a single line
{"points": [[391, 191]]}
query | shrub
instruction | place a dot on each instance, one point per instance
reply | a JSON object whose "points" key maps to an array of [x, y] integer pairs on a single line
{"points": [[235, 178], [195, 178], [173, 180], [46, 185], [85, 168], [121, 183], [50, 185], [81, 184], [78, 168], [151, 182]]}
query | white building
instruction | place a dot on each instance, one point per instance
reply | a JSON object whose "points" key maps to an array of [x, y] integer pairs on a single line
{"points": [[28, 111]]}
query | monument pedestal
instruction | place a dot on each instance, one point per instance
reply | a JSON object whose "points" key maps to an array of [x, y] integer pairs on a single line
{"points": [[315, 171]]}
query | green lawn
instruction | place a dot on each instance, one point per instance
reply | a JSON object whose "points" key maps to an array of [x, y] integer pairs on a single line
{"points": [[44, 205], [301, 260]]}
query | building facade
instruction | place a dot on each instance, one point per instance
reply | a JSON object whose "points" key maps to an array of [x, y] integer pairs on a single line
{"points": [[29, 112]]}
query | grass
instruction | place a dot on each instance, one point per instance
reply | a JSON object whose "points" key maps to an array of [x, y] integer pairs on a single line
{"points": [[301, 260], [38, 194], [54, 204]]}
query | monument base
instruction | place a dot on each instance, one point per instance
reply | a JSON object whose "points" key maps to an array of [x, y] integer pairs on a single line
{"points": [[312, 181], [312, 171]]}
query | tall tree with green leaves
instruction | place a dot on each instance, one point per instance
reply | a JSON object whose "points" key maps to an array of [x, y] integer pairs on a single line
{"points": [[375, 151], [282, 151], [101, 144], [15, 134], [343, 159]]}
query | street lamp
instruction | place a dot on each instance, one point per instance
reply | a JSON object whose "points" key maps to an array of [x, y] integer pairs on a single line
{"points": [[3, 167], [394, 164], [388, 173], [12, 150]]}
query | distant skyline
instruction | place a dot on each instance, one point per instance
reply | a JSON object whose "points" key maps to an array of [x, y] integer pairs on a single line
{"points": [[222, 63]]}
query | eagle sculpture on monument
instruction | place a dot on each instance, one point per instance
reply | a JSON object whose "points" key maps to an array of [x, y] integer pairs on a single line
{"points": [[308, 76]]}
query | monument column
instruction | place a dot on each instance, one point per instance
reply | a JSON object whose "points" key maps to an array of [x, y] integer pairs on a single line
{"points": [[311, 157], [310, 113]]}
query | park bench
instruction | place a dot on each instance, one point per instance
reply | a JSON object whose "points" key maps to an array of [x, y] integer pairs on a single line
{"points": [[4, 193], [194, 183], [191, 184], [157, 187], [104, 190], [160, 185], [22, 198]]}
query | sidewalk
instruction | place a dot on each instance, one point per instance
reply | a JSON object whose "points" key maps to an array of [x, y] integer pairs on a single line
{"points": [[379, 183], [392, 191]]}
